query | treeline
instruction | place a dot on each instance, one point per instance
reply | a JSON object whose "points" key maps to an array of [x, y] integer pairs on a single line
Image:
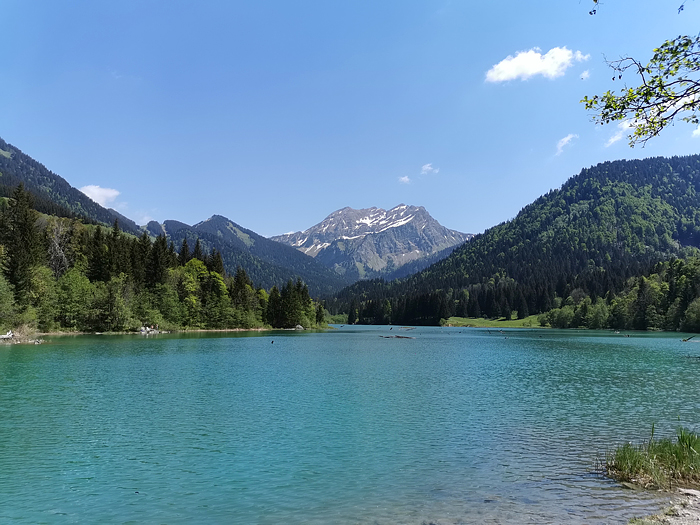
{"points": [[499, 297], [609, 223], [667, 299], [60, 274]]}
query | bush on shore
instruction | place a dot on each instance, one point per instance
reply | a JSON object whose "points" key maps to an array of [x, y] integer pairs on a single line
{"points": [[662, 463]]}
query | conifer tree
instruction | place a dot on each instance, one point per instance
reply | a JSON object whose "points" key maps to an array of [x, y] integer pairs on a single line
{"points": [[98, 261], [198, 253], [352, 314], [21, 240], [172, 256], [274, 308], [521, 305], [184, 255], [216, 262], [320, 314], [156, 269], [118, 262], [140, 254], [239, 289]]}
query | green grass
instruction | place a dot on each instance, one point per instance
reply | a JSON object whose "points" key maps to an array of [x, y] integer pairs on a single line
{"points": [[662, 463], [5, 153], [479, 322], [338, 319]]}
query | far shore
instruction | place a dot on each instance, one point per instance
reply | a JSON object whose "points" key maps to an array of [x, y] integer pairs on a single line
{"points": [[480, 322], [178, 331]]}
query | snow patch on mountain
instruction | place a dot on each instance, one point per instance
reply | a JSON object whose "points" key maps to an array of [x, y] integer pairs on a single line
{"points": [[373, 239]]}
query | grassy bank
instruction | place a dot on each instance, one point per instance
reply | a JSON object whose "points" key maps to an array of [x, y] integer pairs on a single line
{"points": [[480, 322], [662, 463]]}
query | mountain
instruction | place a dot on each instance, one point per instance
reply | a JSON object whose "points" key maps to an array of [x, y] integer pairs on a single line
{"points": [[372, 242], [16, 167], [604, 225], [266, 262]]}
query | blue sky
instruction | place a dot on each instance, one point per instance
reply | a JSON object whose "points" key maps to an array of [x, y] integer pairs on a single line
{"points": [[275, 113]]}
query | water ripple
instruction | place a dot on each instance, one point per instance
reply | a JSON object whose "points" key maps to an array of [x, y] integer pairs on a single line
{"points": [[451, 427]]}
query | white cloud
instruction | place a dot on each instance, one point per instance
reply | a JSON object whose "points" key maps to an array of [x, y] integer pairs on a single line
{"points": [[428, 169], [563, 142], [622, 128], [696, 132], [405, 179], [585, 75], [102, 196], [527, 64]]}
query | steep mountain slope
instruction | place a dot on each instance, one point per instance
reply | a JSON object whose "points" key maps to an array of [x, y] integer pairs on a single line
{"points": [[604, 225], [267, 262], [17, 167], [371, 242]]}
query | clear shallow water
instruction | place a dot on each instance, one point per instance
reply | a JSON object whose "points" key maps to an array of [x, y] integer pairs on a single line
{"points": [[454, 426]]}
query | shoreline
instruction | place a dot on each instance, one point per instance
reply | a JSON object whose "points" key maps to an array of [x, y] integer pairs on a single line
{"points": [[684, 509], [179, 331], [37, 337]]}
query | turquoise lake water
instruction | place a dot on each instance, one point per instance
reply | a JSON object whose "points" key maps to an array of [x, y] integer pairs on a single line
{"points": [[455, 426]]}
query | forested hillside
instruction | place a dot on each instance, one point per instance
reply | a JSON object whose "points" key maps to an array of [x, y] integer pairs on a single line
{"points": [[59, 274], [46, 186], [267, 262], [666, 299], [603, 226]]}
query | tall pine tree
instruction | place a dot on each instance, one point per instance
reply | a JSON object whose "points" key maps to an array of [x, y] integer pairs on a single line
{"points": [[198, 253], [184, 255], [21, 240]]}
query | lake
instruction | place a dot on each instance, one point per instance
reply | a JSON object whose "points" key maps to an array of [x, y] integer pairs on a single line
{"points": [[455, 426]]}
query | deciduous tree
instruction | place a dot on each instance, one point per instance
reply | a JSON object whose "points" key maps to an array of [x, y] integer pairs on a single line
{"points": [[668, 89]]}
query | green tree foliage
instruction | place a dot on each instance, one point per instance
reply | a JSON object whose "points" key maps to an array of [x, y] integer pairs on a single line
{"points": [[669, 89], [604, 226], [198, 253], [184, 255], [98, 257], [274, 308], [75, 294], [20, 238], [68, 276], [267, 262], [158, 262], [44, 297], [7, 305], [666, 299]]}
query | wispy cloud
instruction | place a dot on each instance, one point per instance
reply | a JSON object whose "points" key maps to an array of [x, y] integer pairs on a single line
{"points": [[585, 75], [143, 218], [428, 169], [622, 128], [696, 132], [527, 64], [405, 179], [102, 196], [563, 142]]}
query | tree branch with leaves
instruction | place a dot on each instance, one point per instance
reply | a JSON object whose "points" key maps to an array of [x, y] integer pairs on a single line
{"points": [[668, 90]]}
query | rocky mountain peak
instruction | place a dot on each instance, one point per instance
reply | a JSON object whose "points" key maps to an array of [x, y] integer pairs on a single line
{"points": [[371, 240]]}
